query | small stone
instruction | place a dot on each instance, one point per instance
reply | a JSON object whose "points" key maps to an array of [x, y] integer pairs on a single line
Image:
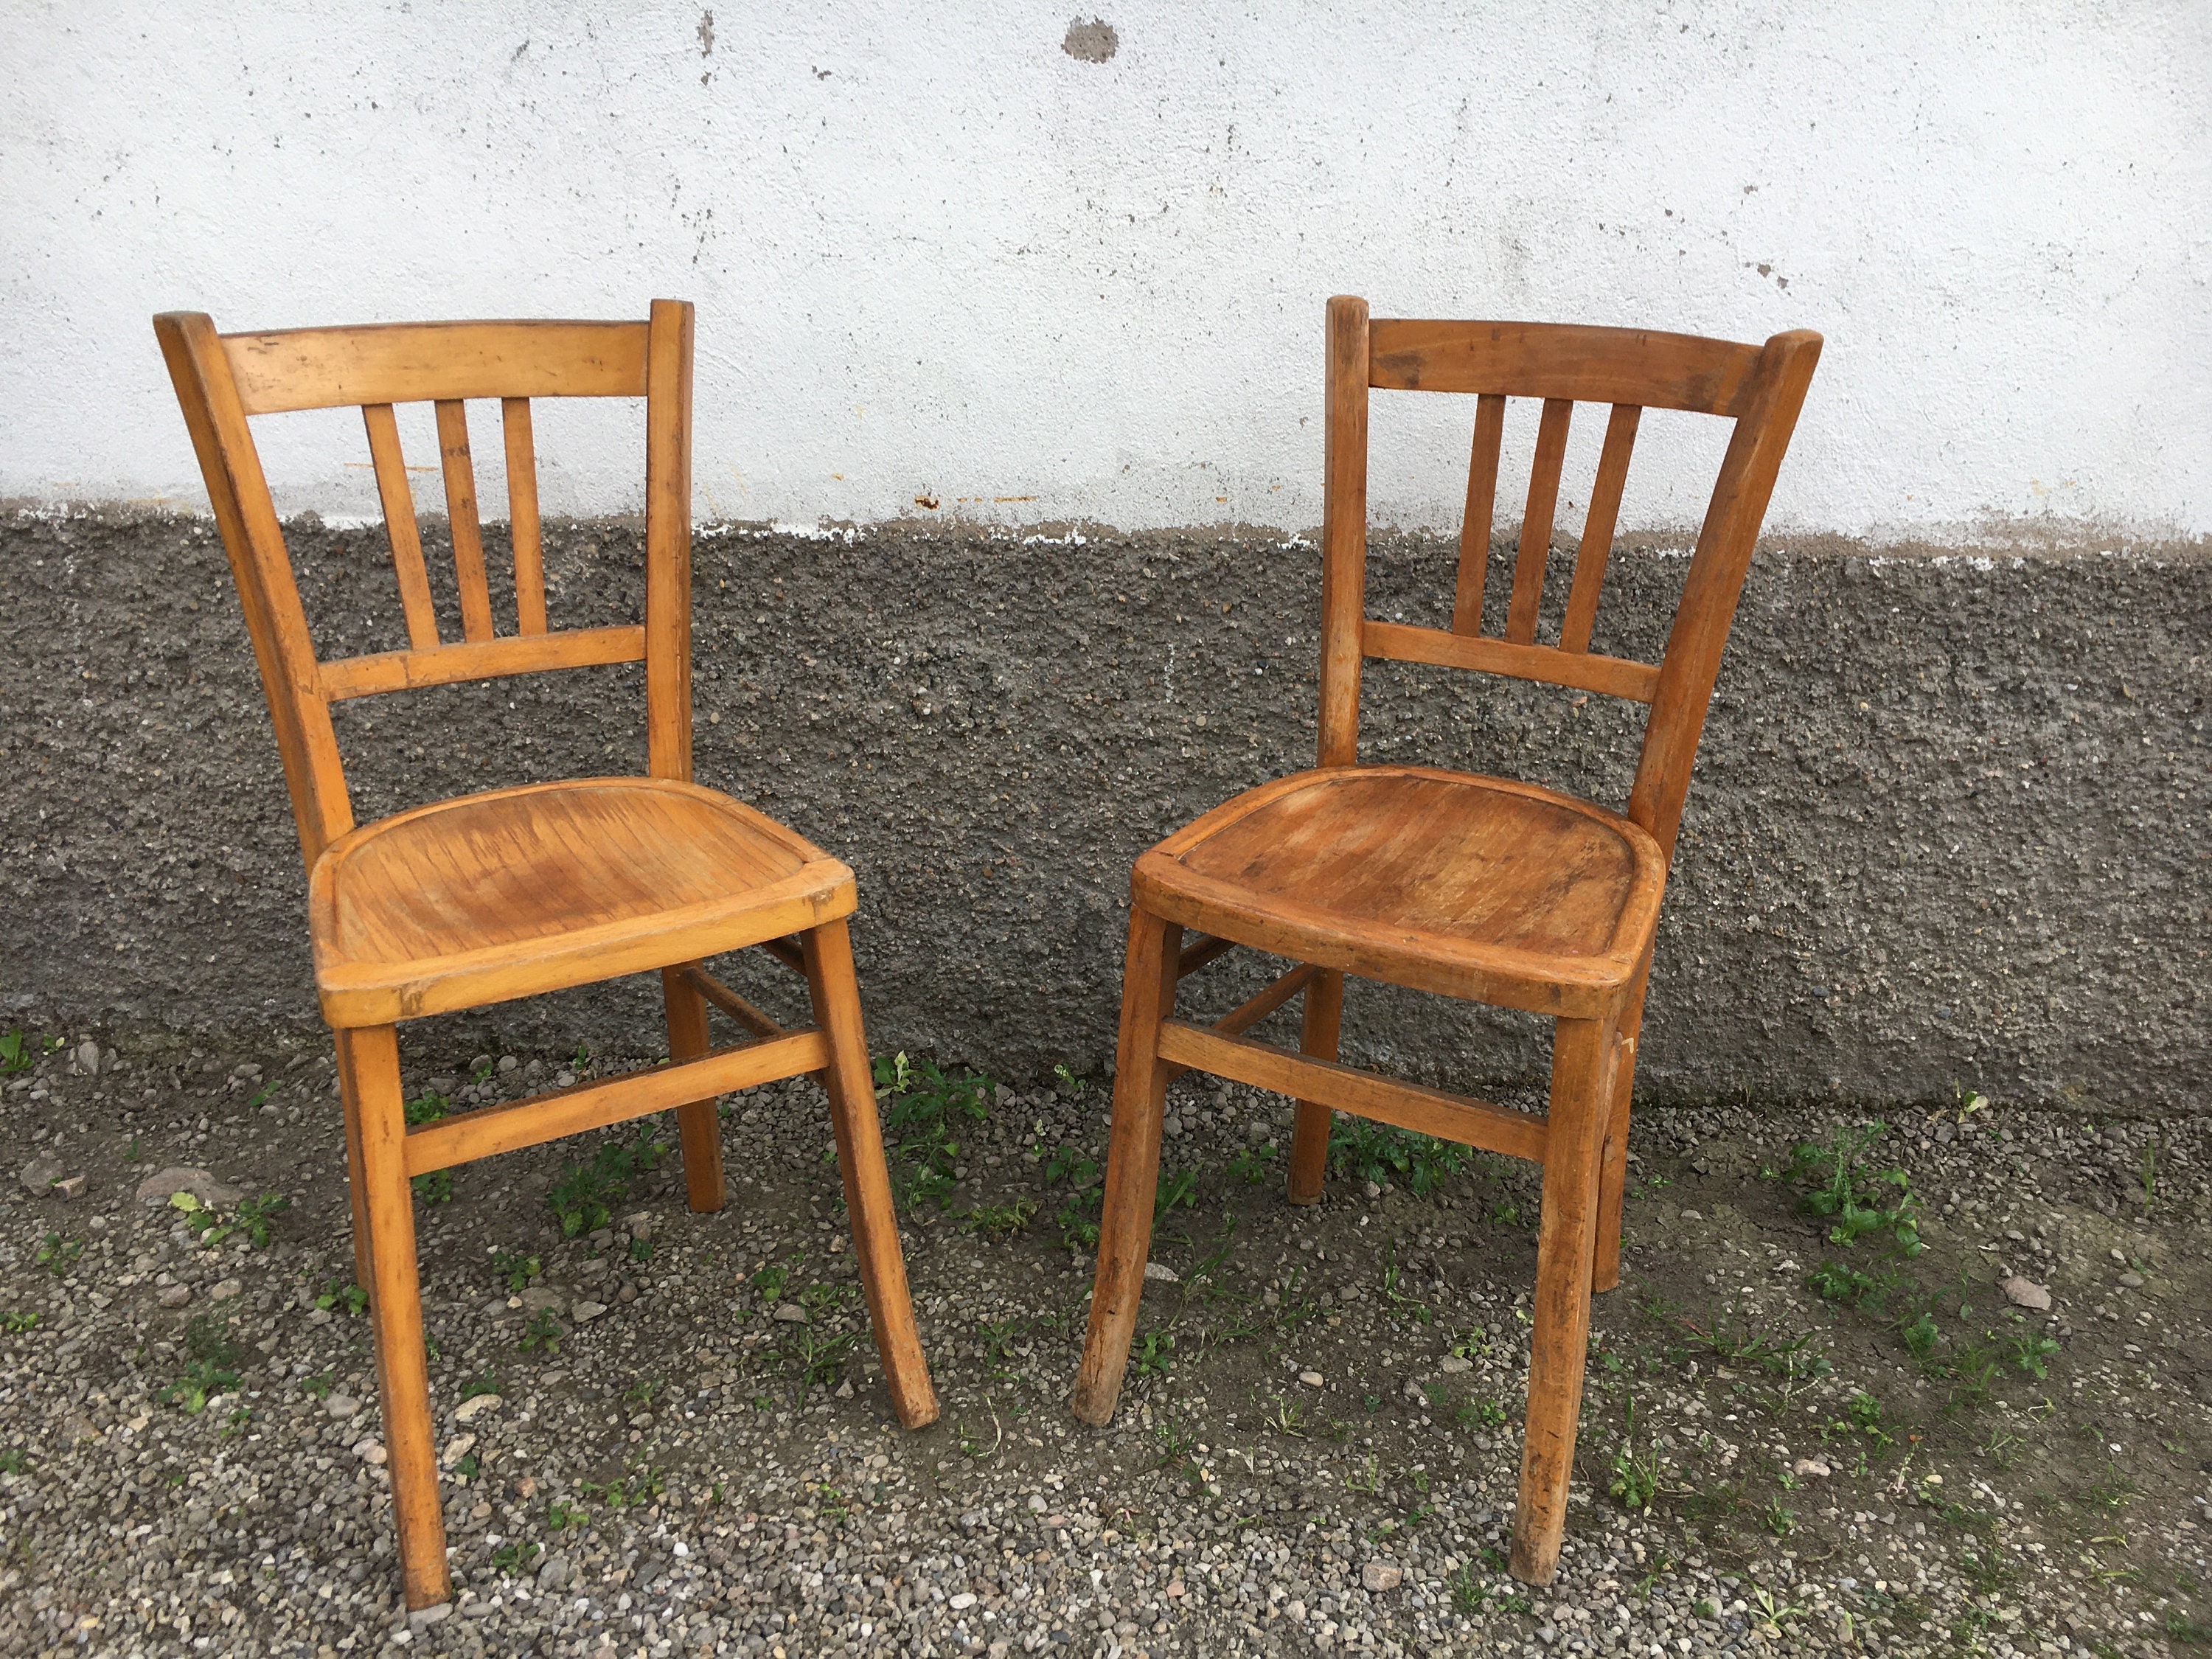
{"points": [[791, 1312], [1412, 1392], [508, 1063], [69, 1186], [963, 1602], [564, 1079], [1811, 1468], [1374, 1190], [341, 1406], [1311, 1379], [2026, 1293], [585, 1312], [1163, 1272], [41, 1174], [456, 1449], [2128, 1281], [845, 1389], [423, 1618], [542, 1299], [88, 1058], [1036, 1503], [1453, 1365], [475, 1406], [1694, 1215], [1381, 1575], [162, 1187], [225, 1290], [1255, 1132], [369, 1450], [553, 1574], [176, 1296]]}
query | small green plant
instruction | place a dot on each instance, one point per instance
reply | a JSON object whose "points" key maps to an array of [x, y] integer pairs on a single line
{"points": [[1779, 1518], [1069, 1082], [1832, 1281], [484, 1382], [213, 1370], [1857, 1199], [14, 1462], [1171, 1190], [1772, 1612], [1635, 1481], [543, 1334], [19, 1320], [925, 1108], [1380, 1153], [515, 1270], [583, 1196], [641, 1249], [1481, 1413], [256, 1218], [317, 1387], [1151, 1352], [561, 1514], [57, 1254], [1396, 1304], [770, 1280], [341, 1296], [516, 1556], [1000, 1221], [24, 1051], [1250, 1165], [432, 1186], [635, 1489]]}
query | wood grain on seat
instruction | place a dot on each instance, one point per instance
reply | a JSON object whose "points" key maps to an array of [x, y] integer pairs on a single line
{"points": [[1447, 881], [549, 885]]}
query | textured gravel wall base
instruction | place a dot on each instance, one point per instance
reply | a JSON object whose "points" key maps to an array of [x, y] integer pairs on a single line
{"points": [[1948, 831]]}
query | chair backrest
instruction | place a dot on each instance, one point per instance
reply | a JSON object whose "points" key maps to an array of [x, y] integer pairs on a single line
{"points": [[1760, 388], [222, 379]]}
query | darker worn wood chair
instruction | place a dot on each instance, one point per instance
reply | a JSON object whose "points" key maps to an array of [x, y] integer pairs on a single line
{"points": [[488, 897], [1477, 887]]}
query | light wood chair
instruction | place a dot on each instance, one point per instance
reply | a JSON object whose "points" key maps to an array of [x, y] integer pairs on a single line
{"points": [[1475, 887], [485, 898]]}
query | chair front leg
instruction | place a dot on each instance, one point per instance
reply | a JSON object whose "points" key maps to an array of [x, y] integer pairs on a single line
{"points": [[1132, 1164], [836, 990], [699, 1125], [1320, 1021], [371, 1058], [1581, 1053]]}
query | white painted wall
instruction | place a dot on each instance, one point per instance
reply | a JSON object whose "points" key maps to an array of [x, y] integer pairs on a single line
{"points": [[935, 255]]}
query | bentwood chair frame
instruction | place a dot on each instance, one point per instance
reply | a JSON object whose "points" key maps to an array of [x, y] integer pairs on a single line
{"points": [[1455, 900], [573, 883]]}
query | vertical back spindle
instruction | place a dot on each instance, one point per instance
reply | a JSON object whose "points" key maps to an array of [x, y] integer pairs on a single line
{"points": [[461, 511], [399, 525], [1481, 507], [1536, 520], [522, 515], [1597, 528]]}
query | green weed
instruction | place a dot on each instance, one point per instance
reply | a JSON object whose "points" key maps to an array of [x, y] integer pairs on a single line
{"points": [[1251, 1165], [1171, 1190], [338, 1296], [543, 1334], [515, 1271], [924, 1111], [57, 1254], [1857, 1199], [19, 1320], [1635, 1481], [1381, 1153], [1000, 1221], [583, 1197]]}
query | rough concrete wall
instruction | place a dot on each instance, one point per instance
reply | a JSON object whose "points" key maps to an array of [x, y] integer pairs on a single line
{"points": [[1030, 273], [1948, 827]]}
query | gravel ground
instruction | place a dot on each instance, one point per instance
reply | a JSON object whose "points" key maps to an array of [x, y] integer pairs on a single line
{"points": [[664, 1433]]}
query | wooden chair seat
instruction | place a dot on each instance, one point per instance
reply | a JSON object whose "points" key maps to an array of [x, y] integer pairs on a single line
{"points": [[516, 891], [1469, 886]]}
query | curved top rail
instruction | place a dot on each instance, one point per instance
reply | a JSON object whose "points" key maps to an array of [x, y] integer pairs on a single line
{"points": [[429, 362], [1631, 366]]}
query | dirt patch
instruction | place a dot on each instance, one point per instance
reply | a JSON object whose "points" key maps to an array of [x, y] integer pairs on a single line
{"points": [[1790, 1444]]}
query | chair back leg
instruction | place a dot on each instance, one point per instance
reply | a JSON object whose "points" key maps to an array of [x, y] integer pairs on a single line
{"points": [[1613, 1174], [836, 995], [1320, 1018], [699, 1125], [1566, 1243], [1132, 1164], [364, 1263], [371, 1058]]}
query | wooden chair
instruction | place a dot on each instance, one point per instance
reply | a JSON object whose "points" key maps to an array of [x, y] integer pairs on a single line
{"points": [[484, 898], [1476, 887]]}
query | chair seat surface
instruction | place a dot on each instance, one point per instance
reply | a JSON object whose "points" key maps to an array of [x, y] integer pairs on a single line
{"points": [[483, 897], [1447, 881]]}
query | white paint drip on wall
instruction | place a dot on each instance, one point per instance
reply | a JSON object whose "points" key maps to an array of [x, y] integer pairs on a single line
{"points": [[938, 256]]}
